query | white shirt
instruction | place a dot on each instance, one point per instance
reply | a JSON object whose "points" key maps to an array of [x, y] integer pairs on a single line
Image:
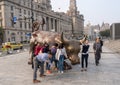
{"points": [[61, 52], [42, 57]]}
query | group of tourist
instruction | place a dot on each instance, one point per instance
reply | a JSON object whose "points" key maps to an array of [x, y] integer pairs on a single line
{"points": [[44, 54]]}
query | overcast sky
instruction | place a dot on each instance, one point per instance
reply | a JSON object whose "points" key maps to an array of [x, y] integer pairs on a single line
{"points": [[95, 11]]}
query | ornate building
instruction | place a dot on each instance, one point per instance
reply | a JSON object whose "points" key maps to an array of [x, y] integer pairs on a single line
{"points": [[16, 18], [77, 19]]}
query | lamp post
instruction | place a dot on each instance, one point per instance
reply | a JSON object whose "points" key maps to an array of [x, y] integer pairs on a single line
{"points": [[32, 14]]}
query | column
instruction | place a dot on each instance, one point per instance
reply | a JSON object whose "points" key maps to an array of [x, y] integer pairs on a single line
{"points": [[47, 23], [51, 23], [56, 25]]}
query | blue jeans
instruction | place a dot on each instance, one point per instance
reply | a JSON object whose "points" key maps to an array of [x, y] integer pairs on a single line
{"points": [[47, 65], [84, 58], [54, 60], [36, 64], [61, 63]]}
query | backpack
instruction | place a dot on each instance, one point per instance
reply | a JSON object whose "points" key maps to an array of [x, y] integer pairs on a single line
{"points": [[53, 51]]}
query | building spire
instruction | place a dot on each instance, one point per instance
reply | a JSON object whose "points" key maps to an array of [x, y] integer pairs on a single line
{"points": [[73, 7]]}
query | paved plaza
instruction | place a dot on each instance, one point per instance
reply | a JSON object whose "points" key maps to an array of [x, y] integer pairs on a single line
{"points": [[14, 70]]}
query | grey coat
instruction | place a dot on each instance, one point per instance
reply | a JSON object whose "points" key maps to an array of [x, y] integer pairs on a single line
{"points": [[97, 48]]}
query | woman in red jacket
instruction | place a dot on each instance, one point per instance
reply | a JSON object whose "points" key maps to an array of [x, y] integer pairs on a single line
{"points": [[38, 48]]}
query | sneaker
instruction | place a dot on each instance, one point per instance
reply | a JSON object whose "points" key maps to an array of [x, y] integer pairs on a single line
{"points": [[96, 64], [42, 75], [82, 70], [48, 72], [62, 72], [58, 71], [36, 81], [85, 69]]}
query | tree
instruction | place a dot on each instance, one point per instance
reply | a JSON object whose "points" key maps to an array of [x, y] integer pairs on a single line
{"points": [[105, 33], [1, 34]]}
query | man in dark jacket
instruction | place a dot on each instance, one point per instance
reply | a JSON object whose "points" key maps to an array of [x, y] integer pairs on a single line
{"points": [[97, 50]]}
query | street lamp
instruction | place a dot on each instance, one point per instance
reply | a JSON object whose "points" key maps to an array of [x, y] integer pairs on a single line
{"points": [[32, 14]]}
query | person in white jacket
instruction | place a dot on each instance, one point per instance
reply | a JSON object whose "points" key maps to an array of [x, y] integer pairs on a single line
{"points": [[60, 56]]}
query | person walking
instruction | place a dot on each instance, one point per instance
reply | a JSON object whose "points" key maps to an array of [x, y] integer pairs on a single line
{"points": [[60, 56], [97, 51], [84, 55], [39, 61]]}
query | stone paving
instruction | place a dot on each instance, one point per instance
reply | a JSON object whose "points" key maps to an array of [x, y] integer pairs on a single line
{"points": [[14, 70]]}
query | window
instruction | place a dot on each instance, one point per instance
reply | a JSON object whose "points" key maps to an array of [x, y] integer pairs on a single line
{"points": [[8, 32], [25, 25], [20, 11], [28, 12], [12, 14], [21, 39], [29, 26], [8, 39], [28, 4], [25, 38], [11, 8], [20, 24], [18, 33], [24, 11], [24, 3]]}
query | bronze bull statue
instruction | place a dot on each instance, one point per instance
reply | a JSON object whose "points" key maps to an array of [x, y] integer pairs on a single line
{"points": [[72, 46]]}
